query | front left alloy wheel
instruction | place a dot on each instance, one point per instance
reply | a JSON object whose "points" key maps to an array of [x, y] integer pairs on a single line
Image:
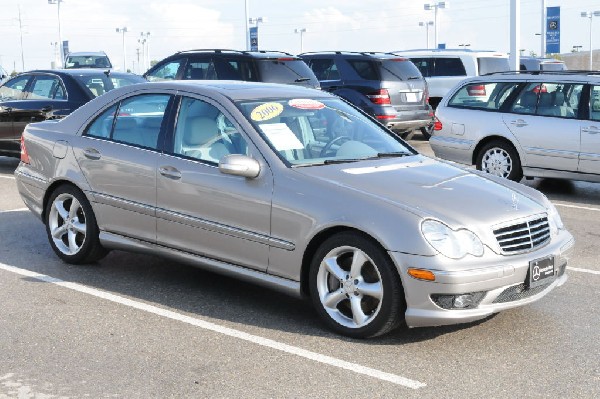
{"points": [[355, 287]]}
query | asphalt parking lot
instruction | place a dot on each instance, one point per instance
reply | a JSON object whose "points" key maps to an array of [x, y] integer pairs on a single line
{"points": [[135, 326]]}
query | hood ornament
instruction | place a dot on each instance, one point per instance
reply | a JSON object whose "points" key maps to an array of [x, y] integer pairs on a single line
{"points": [[515, 202]]}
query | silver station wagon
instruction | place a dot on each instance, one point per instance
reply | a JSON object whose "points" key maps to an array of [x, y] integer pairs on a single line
{"points": [[537, 124], [294, 189]]}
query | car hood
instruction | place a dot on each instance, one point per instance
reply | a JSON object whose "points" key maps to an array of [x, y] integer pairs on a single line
{"points": [[430, 188]]}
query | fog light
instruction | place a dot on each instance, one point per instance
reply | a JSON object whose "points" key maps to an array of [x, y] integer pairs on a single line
{"points": [[469, 300], [463, 301]]}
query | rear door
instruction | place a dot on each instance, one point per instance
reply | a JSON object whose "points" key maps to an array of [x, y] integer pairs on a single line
{"points": [[589, 160], [11, 95], [543, 118]]}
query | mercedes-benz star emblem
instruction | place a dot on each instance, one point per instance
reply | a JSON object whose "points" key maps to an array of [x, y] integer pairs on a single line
{"points": [[536, 273]]}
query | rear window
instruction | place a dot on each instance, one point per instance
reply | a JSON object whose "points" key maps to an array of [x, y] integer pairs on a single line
{"points": [[87, 61], [287, 71], [492, 64], [100, 84], [438, 66], [553, 66], [399, 69]]}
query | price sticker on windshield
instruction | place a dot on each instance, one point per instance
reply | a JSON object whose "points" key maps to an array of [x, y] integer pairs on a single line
{"points": [[266, 111], [306, 103]]}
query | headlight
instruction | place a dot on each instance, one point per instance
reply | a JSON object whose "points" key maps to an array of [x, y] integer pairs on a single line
{"points": [[554, 219], [454, 244]]}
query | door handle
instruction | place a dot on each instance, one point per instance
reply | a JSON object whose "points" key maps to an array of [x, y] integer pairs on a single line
{"points": [[519, 123], [170, 172], [92, 153], [590, 130]]}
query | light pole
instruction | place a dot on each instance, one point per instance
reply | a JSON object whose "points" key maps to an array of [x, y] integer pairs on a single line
{"points": [[543, 34], [434, 7], [60, 44], [302, 31], [123, 30], [426, 25], [144, 40], [590, 15], [256, 21]]}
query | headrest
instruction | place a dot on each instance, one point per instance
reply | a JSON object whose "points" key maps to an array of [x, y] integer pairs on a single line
{"points": [[545, 100], [529, 99], [559, 98]]}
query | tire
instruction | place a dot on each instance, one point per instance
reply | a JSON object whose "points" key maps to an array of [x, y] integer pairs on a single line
{"points": [[363, 301], [500, 158], [71, 226], [426, 132]]}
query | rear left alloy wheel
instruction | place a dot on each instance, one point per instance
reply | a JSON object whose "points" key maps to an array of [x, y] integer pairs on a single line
{"points": [[71, 226], [355, 287]]}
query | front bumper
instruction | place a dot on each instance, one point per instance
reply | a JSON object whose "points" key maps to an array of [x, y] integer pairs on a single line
{"points": [[502, 279]]}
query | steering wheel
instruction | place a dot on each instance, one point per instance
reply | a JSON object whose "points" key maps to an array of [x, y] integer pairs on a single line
{"points": [[330, 144]]}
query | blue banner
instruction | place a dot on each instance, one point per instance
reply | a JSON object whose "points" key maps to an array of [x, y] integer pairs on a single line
{"points": [[552, 30], [254, 38]]}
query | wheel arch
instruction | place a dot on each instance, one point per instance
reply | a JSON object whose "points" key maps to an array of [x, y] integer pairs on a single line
{"points": [[52, 187], [489, 139]]}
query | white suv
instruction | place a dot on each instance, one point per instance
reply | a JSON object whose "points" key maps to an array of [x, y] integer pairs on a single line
{"points": [[444, 69], [532, 124]]}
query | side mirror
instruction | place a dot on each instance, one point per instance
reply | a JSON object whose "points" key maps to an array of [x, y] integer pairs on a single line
{"points": [[239, 165]]}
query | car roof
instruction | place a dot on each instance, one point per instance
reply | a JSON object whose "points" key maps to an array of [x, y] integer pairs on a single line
{"points": [[262, 54], [80, 72], [540, 76], [354, 54], [84, 53], [234, 89], [451, 52]]}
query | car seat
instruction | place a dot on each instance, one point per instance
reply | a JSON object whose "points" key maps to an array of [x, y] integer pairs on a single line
{"points": [[203, 140]]}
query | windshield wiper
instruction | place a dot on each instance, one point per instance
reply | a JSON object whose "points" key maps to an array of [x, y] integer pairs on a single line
{"points": [[348, 160], [393, 154], [414, 78], [302, 80]]}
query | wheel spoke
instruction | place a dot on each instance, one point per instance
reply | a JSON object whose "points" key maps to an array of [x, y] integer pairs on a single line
{"points": [[58, 232], [60, 208], [374, 290], [335, 269], [332, 299], [73, 247], [358, 315], [75, 206], [358, 260], [79, 227]]}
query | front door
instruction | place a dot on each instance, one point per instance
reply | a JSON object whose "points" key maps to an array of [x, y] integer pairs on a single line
{"points": [[589, 160], [201, 210]]}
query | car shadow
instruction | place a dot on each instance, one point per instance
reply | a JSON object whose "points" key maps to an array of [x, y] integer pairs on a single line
{"points": [[576, 192], [179, 287]]}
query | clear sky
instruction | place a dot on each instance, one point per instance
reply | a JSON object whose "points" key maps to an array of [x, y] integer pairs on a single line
{"points": [[360, 25]]}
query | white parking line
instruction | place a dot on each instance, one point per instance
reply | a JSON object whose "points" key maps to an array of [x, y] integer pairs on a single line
{"points": [[587, 208], [14, 210], [269, 343], [7, 177], [577, 269]]}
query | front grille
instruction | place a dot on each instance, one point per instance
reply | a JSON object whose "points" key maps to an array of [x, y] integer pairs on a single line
{"points": [[524, 236], [521, 291]]}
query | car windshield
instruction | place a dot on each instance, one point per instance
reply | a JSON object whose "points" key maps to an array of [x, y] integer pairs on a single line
{"points": [[87, 61], [320, 131], [98, 84]]}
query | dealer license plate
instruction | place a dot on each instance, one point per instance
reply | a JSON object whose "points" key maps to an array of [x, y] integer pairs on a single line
{"points": [[541, 271]]}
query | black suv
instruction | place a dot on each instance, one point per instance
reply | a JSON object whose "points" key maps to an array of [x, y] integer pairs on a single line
{"points": [[386, 86], [253, 66]]}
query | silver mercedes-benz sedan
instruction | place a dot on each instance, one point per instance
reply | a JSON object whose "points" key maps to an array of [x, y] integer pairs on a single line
{"points": [[294, 189]]}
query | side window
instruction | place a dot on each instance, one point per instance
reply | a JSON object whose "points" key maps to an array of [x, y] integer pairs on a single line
{"points": [[325, 69], [365, 69], [425, 66], [595, 103], [45, 87], [165, 72], [204, 133], [233, 69], [560, 100], [527, 100], [14, 89], [102, 125], [483, 95], [96, 86], [200, 69], [138, 121], [449, 67]]}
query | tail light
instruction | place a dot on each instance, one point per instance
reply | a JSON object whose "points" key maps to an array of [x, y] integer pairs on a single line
{"points": [[24, 154], [384, 117], [476, 90], [381, 96], [437, 125]]}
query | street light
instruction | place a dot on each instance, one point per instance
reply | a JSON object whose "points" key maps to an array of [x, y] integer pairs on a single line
{"points": [[590, 15], [123, 30], [434, 7], [62, 56], [301, 31], [144, 40], [256, 21], [426, 25]]}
